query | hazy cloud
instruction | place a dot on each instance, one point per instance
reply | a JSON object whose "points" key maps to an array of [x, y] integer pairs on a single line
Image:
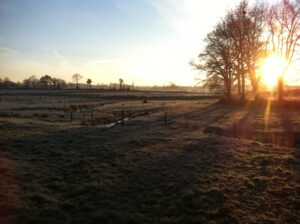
{"points": [[101, 62], [192, 16], [4, 50]]}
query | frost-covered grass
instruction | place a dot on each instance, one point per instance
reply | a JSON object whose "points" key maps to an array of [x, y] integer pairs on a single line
{"points": [[61, 172]]}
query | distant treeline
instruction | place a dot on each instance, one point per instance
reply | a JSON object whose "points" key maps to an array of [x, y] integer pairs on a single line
{"points": [[44, 82], [49, 82]]}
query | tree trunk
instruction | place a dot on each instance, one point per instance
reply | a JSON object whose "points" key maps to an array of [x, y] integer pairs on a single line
{"points": [[280, 88], [239, 69], [243, 87], [239, 84], [254, 88], [228, 90], [254, 85]]}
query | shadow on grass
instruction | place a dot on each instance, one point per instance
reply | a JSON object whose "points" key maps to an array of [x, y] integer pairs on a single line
{"points": [[251, 128], [133, 175], [214, 113], [176, 185], [76, 185]]}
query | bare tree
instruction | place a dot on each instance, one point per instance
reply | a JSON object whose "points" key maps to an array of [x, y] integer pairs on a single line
{"points": [[246, 27], [255, 49], [46, 81], [89, 82], [76, 77], [235, 27], [284, 34], [33, 81], [121, 81], [7, 83], [30, 82], [26, 83], [217, 58], [235, 48], [214, 84], [59, 83]]}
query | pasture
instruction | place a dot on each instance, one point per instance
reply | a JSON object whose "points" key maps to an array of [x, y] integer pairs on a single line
{"points": [[66, 158]]}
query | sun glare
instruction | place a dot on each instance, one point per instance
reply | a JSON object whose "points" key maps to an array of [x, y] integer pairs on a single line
{"points": [[273, 67]]}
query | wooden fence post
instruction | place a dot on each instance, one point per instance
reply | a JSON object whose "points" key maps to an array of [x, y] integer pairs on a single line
{"points": [[71, 116]]}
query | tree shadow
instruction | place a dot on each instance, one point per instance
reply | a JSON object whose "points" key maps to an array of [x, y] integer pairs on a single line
{"points": [[178, 184], [211, 114], [290, 135], [132, 180], [248, 127], [223, 116]]}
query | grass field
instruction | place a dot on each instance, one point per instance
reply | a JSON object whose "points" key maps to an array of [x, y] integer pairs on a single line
{"points": [[57, 171]]}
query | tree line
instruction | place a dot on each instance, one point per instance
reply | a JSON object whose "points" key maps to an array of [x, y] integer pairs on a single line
{"points": [[45, 82], [239, 43]]}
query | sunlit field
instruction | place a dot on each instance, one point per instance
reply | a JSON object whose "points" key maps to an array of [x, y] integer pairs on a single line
{"points": [[211, 163]]}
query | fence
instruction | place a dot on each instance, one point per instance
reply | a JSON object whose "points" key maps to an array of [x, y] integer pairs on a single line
{"points": [[117, 116]]}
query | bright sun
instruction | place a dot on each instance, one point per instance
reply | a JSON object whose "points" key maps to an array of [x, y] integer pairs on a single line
{"points": [[272, 68]]}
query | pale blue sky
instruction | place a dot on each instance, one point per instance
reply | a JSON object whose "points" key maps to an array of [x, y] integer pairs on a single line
{"points": [[142, 41]]}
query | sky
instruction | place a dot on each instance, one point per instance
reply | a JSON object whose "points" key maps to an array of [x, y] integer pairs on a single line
{"points": [[146, 42]]}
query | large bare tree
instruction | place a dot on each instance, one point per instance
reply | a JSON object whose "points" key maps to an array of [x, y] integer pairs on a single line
{"points": [[246, 27], [255, 41], [284, 34], [217, 57], [234, 48]]}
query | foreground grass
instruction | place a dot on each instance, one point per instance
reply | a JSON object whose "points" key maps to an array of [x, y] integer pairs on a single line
{"points": [[62, 172], [167, 175]]}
